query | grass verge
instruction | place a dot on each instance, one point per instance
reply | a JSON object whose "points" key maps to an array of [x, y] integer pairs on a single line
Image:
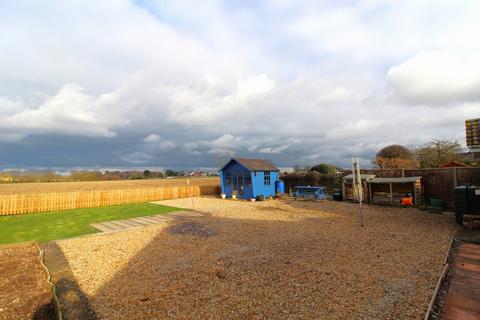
{"points": [[54, 225]]}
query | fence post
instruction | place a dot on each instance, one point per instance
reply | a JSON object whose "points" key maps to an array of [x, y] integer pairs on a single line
{"points": [[15, 204], [403, 172], [454, 173]]}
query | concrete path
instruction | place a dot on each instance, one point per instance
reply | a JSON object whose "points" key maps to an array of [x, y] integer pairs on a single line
{"points": [[125, 224], [463, 295]]}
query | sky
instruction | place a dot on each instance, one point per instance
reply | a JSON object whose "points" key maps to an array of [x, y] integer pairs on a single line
{"points": [[190, 83]]}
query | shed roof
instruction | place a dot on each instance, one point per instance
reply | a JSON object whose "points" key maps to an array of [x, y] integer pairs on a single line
{"points": [[395, 180], [362, 176], [453, 164], [254, 164]]}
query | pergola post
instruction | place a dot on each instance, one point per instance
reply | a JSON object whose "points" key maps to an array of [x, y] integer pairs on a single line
{"points": [[369, 192], [391, 193], [414, 193]]}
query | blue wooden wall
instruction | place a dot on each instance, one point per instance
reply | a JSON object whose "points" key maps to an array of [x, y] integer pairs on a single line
{"points": [[259, 187], [247, 184], [239, 178]]}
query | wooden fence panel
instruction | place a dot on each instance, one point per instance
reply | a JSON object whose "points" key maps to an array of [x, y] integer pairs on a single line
{"points": [[468, 176], [54, 201], [385, 173], [436, 183]]}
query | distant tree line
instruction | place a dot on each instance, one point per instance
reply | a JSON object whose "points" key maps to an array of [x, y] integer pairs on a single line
{"points": [[22, 176], [431, 155]]}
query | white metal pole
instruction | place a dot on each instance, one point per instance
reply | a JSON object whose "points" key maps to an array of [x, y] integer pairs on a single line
{"points": [[358, 188]]}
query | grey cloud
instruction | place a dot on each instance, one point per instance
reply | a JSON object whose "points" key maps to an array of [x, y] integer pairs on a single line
{"points": [[198, 85]]}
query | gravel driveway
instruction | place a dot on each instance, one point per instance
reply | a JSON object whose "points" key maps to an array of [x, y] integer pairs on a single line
{"points": [[277, 259]]}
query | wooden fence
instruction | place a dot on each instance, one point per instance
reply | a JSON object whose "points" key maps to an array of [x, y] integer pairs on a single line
{"points": [[44, 202], [436, 183]]}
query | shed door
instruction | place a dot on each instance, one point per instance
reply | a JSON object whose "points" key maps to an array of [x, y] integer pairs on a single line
{"points": [[240, 181], [240, 184], [234, 181]]}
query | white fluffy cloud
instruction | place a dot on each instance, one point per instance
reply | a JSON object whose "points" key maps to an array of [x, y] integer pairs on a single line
{"points": [[70, 111], [156, 142], [298, 81], [189, 105], [437, 78]]}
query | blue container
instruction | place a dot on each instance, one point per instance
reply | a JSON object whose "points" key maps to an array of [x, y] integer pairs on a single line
{"points": [[279, 187]]}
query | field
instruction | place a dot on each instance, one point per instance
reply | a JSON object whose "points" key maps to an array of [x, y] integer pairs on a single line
{"points": [[278, 259], [69, 223], [20, 188]]}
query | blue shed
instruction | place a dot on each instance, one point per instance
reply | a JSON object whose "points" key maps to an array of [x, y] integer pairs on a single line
{"points": [[249, 178]]}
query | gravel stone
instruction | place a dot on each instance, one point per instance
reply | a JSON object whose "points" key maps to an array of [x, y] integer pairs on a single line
{"points": [[191, 228], [276, 259]]}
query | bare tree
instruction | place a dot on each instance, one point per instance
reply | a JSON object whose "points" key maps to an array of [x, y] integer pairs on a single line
{"points": [[438, 152]]}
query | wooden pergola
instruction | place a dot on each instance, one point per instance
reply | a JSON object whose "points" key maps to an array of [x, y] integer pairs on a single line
{"points": [[347, 188], [392, 190]]}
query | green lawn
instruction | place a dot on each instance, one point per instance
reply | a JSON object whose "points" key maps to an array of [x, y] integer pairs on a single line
{"points": [[69, 223]]}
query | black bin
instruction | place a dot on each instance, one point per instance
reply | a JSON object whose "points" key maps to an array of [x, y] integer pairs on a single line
{"points": [[460, 198], [337, 195], [474, 200], [467, 201]]}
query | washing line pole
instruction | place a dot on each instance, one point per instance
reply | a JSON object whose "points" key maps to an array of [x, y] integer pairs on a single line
{"points": [[357, 187], [190, 193]]}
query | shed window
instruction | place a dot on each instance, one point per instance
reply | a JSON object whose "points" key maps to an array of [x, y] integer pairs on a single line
{"points": [[247, 180], [266, 178], [228, 179]]}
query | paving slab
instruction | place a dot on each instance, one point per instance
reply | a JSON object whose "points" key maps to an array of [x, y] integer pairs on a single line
{"points": [[125, 224], [133, 223], [111, 225], [463, 302], [101, 227], [463, 297], [161, 218], [120, 224], [148, 220], [469, 235], [141, 221]]}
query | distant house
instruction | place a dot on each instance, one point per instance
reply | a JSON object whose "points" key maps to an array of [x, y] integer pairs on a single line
{"points": [[471, 159], [195, 174], [454, 164], [5, 178], [249, 178]]}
